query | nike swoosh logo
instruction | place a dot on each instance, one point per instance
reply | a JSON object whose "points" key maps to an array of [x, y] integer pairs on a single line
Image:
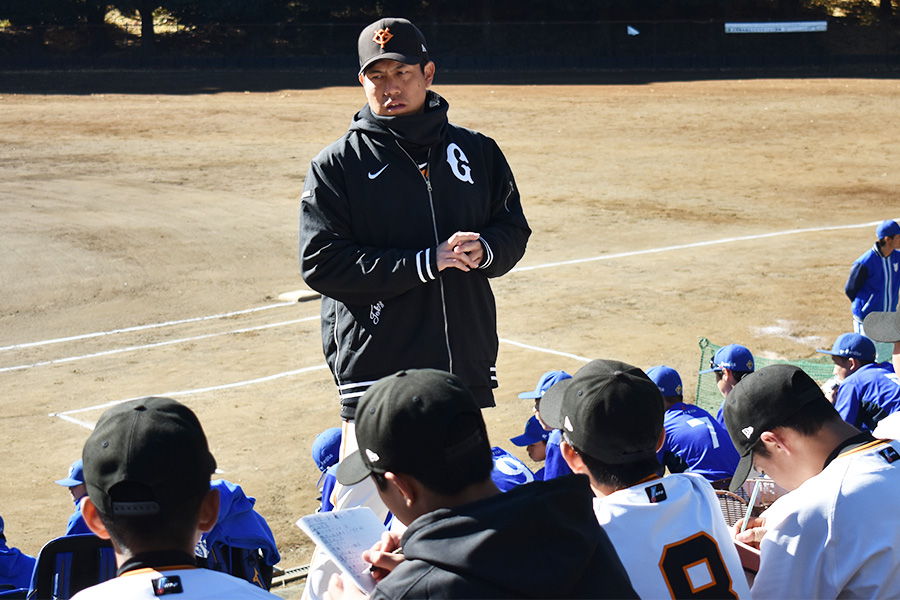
{"points": [[377, 173]]}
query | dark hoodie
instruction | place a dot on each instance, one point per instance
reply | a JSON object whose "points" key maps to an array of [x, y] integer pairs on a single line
{"points": [[538, 540], [370, 221]]}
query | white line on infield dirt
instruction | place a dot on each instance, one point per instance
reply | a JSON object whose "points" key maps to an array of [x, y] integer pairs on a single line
{"points": [[225, 386], [154, 345], [86, 336], [744, 238], [65, 414]]}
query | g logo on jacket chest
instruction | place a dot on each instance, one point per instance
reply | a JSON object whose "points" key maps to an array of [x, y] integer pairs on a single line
{"points": [[459, 164]]}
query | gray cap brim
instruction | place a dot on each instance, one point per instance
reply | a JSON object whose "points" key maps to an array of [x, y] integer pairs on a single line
{"points": [[882, 327], [352, 469], [551, 404]]}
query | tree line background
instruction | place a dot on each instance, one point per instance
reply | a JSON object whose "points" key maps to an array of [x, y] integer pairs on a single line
{"points": [[472, 33]]}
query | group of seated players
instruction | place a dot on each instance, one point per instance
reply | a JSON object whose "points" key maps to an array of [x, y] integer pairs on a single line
{"points": [[624, 498]]}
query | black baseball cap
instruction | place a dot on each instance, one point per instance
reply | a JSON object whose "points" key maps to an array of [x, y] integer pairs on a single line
{"points": [[761, 401], [609, 409], [413, 422], [391, 38], [156, 447]]}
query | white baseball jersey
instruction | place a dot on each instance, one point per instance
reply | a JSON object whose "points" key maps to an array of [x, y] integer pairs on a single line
{"points": [[838, 534], [672, 538], [179, 584]]}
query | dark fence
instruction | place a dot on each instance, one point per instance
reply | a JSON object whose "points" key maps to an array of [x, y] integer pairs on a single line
{"points": [[464, 46]]}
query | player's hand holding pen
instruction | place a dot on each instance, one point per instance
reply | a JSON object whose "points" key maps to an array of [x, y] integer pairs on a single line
{"points": [[751, 534], [384, 555]]}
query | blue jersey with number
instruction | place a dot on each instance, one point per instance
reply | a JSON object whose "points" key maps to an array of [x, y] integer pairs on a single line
{"points": [[698, 443], [508, 470], [867, 395]]}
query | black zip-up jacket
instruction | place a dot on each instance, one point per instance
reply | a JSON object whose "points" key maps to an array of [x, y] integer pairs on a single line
{"points": [[370, 223]]}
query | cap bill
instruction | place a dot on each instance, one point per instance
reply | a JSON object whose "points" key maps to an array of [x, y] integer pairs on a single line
{"points": [[882, 327], [352, 469], [551, 404], [741, 472], [532, 395], [524, 440], [68, 482]]}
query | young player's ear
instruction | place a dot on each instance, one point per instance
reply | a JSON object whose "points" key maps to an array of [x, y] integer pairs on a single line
{"points": [[774, 440], [571, 457], [403, 486], [209, 511], [92, 518], [662, 440]]}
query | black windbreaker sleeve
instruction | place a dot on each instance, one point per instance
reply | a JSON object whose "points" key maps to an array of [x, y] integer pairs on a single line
{"points": [[506, 236], [334, 264]]}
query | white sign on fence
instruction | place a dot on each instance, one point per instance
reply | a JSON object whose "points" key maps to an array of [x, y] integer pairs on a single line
{"points": [[785, 27]]}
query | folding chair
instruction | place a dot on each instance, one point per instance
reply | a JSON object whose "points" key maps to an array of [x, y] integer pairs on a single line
{"points": [[734, 508], [245, 563], [68, 564]]}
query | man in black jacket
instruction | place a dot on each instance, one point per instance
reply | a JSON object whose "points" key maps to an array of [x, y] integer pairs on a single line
{"points": [[403, 220], [423, 440]]}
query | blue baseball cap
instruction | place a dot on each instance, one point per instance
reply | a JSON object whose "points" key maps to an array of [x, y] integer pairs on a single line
{"points": [[75, 476], [544, 383], [733, 357], [534, 433], [326, 448], [666, 379], [852, 345], [887, 229]]}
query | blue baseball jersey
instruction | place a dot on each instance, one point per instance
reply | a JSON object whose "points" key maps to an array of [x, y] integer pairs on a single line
{"points": [[76, 524], [328, 483], [508, 470], [874, 283], [698, 443], [869, 394], [555, 465]]}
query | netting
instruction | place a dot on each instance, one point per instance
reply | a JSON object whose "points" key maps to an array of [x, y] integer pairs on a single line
{"points": [[709, 398]]}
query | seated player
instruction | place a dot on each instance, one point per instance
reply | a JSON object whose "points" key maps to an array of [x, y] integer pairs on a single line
{"points": [[669, 531], [810, 540], [325, 452], [534, 440], [16, 567], [147, 468], [554, 465], [730, 364], [868, 391], [423, 440], [74, 481], [695, 441]]}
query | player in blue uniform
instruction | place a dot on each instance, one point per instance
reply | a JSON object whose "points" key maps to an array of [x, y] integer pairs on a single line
{"points": [[534, 440], [874, 281], [694, 441], [730, 363], [868, 391], [16, 567], [74, 480], [554, 464], [325, 452]]}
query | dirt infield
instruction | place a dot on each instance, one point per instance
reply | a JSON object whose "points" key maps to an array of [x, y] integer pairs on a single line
{"points": [[662, 212]]}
